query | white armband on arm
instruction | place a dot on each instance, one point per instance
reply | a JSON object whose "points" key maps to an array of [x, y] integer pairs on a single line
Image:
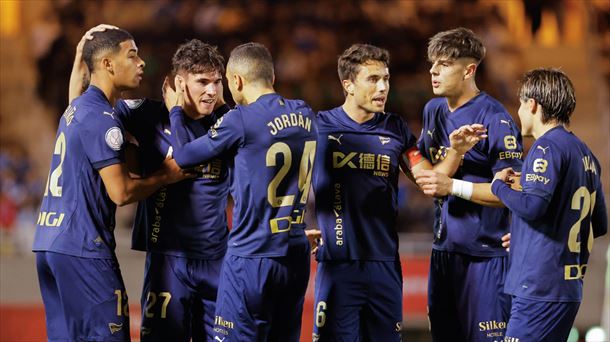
{"points": [[462, 189]]}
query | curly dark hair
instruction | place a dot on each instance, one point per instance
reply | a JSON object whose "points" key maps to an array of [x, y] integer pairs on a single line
{"points": [[357, 55], [108, 40], [197, 57]]}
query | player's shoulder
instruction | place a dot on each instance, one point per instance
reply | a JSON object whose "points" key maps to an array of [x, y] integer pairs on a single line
{"points": [[234, 114], [90, 108], [435, 104], [328, 118], [492, 109], [552, 144]]}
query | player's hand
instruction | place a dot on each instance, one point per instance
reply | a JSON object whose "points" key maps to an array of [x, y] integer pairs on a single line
{"points": [[172, 97], [515, 181], [465, 137], [506, 242], [505, 175], [173, 172], [89, 35], [433, 183], [315, 239]]}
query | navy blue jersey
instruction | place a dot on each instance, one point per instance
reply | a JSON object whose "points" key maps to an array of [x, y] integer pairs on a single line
{"points": [[356, 185], [548, 255], [460, 225], [77, 215], [272, 141], [183, 219]]}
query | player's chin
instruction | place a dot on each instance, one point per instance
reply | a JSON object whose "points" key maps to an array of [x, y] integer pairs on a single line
{"points": [[438, 91], [205, 108], [135, 82], [377, 107]]}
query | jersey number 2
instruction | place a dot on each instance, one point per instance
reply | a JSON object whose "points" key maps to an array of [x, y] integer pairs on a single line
{"points": [[305, 172], [586, 208], [53, 179]]}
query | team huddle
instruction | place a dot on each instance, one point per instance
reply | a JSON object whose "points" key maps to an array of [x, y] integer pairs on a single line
{"points": [[180, 158]]}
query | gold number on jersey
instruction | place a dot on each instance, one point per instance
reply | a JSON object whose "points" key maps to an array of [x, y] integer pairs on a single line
{"points": [[122, 307], [151, 300], [282, 224], [53, 179], [586, 208], [320, 314], [271, 159], [305, 172], [510, 142]]}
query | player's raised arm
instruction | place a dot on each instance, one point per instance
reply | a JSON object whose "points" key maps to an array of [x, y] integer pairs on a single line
{"points": [[79, 77], [227, 133]]}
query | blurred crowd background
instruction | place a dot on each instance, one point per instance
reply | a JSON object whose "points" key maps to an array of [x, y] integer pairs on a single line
{"points": [[38, 39]]}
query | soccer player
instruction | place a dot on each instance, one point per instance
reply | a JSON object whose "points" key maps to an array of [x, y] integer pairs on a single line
{"points": [[468, 262], [182, 227], [79, 276], [271, 144], [358, 291], [556, 216]]}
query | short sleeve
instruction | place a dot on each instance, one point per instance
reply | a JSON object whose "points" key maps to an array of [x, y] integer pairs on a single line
{"points": [[505, 144], [102, 138]]}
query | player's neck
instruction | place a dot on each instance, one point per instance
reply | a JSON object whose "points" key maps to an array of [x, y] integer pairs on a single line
{"points": [[467, 94], [541, 128], [107, 87], [253, 92], [355, 112]]}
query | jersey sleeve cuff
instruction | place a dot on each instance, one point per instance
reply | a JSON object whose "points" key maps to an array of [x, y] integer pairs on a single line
{"points": [[107, 162]]}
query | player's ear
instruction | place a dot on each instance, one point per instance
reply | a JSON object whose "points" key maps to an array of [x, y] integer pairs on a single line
{"points": [[238, 81], [106, 64], [348, 86], [470, 70], [532, 106], [179, 83]]}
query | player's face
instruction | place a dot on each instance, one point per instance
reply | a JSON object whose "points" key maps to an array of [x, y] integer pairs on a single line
{"points": [[526, 118], [127, 66], [448, 76], [201, 93], [371, 86]]}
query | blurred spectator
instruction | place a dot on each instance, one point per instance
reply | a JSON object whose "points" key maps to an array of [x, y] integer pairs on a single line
{"points": [[20, 192]]}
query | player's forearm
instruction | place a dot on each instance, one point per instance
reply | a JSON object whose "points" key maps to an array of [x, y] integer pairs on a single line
{"points": [[482, 194], [138, 189], [194, 153], [123, 189], [450, 164], [527, 206], [79, 77], [187, 154]]}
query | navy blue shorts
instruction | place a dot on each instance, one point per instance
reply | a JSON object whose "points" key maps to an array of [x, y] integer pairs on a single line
{"points": [[179, 298], [358, 300], [261, 299], [466, 299], [84, 299], [533, 320]]}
